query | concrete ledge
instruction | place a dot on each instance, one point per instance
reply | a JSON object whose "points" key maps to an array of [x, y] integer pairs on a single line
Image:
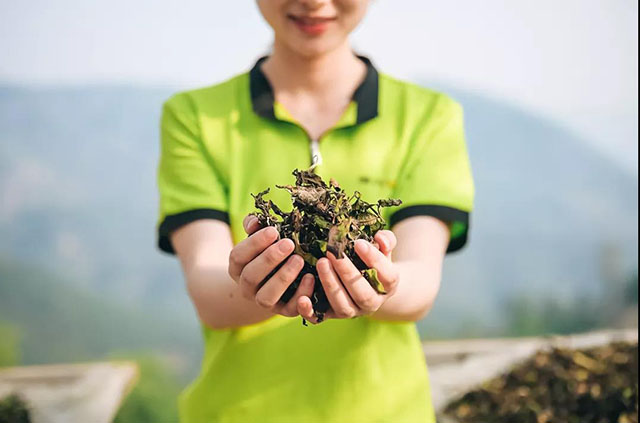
{"points": [[63, 393]]}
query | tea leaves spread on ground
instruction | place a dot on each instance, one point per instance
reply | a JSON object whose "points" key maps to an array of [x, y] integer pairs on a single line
{"points": [[596, 385]]}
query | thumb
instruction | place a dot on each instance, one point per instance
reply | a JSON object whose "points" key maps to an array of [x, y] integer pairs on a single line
{"points": [[250, 224], [386, 241]]}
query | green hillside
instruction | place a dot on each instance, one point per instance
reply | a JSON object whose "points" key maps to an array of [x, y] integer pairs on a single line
{"points": [[56, 321]]}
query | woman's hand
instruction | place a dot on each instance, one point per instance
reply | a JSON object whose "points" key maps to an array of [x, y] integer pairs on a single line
{"points": [[348, 292], [254, 258]]}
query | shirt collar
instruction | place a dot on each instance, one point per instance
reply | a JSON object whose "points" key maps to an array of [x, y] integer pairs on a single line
{"points": [[366, 95]]}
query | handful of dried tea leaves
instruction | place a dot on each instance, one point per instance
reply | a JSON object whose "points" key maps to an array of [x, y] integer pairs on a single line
{"points": [[323, 218]]}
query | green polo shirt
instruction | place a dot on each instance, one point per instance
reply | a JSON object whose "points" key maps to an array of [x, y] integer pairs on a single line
{"points": [[221, 143]]}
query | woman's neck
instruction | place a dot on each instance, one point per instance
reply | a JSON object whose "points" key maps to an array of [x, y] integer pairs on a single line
{"points": [[338, 70], [314, 90]]}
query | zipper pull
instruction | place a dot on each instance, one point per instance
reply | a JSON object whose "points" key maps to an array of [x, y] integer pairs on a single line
{"points": [[316, 157]]}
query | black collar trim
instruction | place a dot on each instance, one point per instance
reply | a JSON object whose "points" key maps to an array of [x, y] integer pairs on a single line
{"points": [[366, 95], [262, 97]]}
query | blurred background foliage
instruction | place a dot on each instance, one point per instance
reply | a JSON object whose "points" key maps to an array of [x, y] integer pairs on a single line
{"points": [[153, 399], [9, 345]]}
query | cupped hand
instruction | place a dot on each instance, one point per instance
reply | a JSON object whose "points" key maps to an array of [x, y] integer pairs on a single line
{"points": [[349, 293], [254, 258]]}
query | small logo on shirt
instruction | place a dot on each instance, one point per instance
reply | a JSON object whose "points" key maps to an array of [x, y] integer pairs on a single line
{"points": [[389, 183]]}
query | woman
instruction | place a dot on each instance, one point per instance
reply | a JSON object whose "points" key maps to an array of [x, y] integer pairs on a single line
{"points": [[311, 100]]}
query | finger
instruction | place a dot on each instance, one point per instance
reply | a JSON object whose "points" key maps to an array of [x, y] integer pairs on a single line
{"points": [[251, 224], [247, 219], [249, 248], [337, 295], [386, 240], [305, 309], [305, 288], [269, 294], [259, 268], [330, 314], [374, 258], [364, 296]]}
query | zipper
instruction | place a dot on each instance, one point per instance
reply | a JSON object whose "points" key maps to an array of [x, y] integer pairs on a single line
{"points": [[316, 156]]}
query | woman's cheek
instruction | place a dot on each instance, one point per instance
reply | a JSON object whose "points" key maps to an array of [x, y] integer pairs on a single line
{"points": [[352, 12]]}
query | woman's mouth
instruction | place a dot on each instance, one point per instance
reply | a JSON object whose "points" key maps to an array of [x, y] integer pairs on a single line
{"points": [[311, 25]]}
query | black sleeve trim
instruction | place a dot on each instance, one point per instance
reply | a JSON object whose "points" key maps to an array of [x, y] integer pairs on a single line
{"points": [[444, 213], [174, 221]]}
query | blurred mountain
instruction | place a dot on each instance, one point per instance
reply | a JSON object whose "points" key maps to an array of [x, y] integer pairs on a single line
{"points": [[78, 195], [58, 322], [78, 189], [553, 218]]}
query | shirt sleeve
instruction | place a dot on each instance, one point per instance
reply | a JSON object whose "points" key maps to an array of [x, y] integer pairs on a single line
{"points": [[190, 188], [436, 178]]}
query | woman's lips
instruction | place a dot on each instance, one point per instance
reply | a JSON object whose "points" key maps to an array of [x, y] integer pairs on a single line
{"points": [[311, 26]]}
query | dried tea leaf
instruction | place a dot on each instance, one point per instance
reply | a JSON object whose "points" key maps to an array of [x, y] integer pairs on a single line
{"points": [[371, 275], [338, 238], [322, 246], [321, 222], [308, 257]]}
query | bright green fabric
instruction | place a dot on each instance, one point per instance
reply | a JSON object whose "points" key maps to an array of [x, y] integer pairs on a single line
{"points": [[215, 152], [436, 169]]}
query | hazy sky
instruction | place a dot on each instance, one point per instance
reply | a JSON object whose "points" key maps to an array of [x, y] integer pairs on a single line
{"points": [[575, 61]]}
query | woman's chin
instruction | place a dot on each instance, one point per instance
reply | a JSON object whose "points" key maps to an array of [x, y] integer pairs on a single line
{"points": [[311, 48]]}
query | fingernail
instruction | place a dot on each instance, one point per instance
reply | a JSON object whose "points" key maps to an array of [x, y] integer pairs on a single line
{"points": [[296, 260], [362, 245], [323, 264], [271, 232], [284, 246]]}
